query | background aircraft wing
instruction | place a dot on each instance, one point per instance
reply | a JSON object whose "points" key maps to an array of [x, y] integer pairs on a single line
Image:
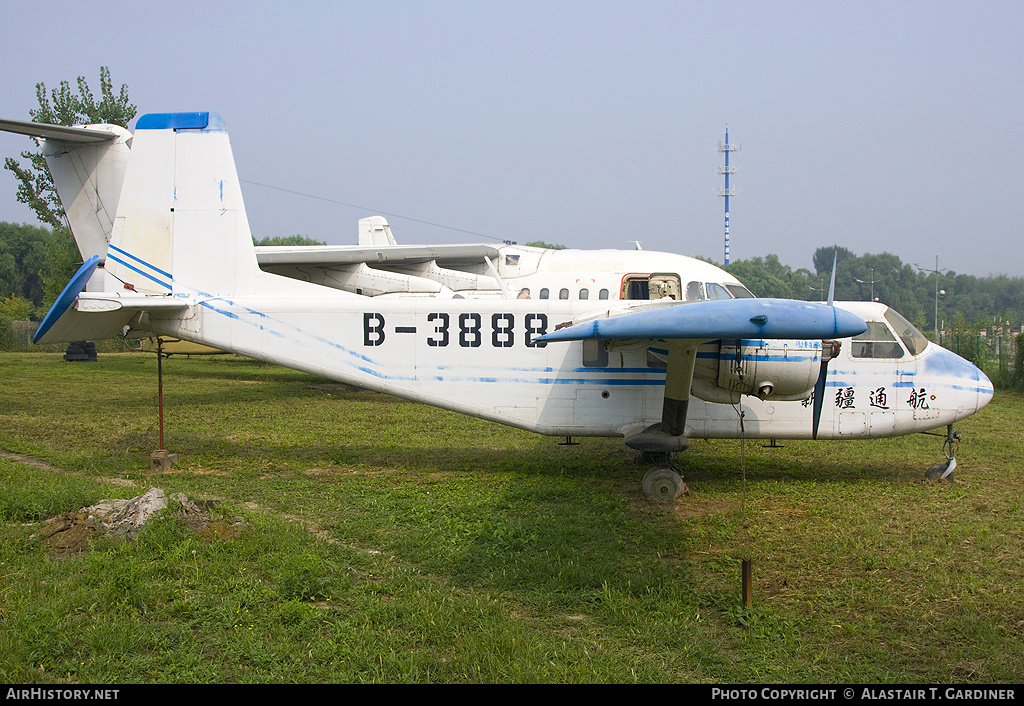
{"points": [[337, 255]]}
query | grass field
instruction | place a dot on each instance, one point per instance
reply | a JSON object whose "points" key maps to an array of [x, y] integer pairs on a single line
{"points": [[386, 541]]}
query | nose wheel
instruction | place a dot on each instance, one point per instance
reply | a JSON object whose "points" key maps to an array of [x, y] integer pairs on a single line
{"points": [[944, 471], [663, 484]]}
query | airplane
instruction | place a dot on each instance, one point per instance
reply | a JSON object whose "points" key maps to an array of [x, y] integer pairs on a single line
{"points": [[655, 348]]}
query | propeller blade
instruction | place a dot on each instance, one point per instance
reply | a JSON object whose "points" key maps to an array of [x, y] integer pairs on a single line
{"points": [[832, 284], [826, 355], [819, 395]]}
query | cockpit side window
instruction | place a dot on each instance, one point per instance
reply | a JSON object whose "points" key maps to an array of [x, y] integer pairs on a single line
{"points": [[717, 291], [876, 342]]}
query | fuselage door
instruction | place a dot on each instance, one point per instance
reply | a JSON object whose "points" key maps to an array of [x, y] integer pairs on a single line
{"points": [[665, 285], [658, 285]]}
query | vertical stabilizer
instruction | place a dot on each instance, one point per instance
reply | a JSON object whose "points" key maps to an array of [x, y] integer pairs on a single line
{"points": [[375, 231], [181, 225]]}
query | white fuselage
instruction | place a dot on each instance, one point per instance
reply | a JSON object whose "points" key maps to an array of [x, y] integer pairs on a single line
{"points": [[473, 353]]}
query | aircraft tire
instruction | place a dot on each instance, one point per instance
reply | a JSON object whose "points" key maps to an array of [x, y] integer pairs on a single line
{"points": [[663, 485], [934, 473]]}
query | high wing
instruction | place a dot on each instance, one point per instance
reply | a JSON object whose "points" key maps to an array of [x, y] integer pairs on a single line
{"points": [[685, 326], [729, 318]]}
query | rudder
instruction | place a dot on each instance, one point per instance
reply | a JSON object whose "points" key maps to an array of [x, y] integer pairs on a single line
{"points": [[181, 225]]}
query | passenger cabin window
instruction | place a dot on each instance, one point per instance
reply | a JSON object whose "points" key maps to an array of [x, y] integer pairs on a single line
{"points": [[595, 354], [584, 294], [544, 293], [603, 294], [563, 293], [876, 342]]}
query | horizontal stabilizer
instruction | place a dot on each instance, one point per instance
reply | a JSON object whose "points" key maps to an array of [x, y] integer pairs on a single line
{"points": [[81, 316], [56, 132], [729, 318]]}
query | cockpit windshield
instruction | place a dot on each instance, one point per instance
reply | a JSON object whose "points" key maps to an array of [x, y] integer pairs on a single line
{"points": [[879, 342], [913, 339], [738, 291]]}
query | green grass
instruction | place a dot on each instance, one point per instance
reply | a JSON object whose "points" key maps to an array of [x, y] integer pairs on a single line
{"points": [[390, 542]]}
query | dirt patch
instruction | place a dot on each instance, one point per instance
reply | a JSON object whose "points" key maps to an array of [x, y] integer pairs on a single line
{"points": [[121, 520], [693, 505], [44, 466], [330, 472], [194, 470]]}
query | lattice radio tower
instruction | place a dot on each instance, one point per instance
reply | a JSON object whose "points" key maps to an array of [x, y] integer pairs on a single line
{"points": [[727, 148]]}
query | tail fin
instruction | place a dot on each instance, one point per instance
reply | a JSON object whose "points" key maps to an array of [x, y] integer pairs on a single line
{"points": [[375, 231], [181, 225], [88, 166]]}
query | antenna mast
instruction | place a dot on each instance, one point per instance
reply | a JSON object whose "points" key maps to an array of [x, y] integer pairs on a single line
{"points": [[728, 191]]}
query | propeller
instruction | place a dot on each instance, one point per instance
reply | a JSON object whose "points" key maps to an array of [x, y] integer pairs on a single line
{"points": [[829, 350]]}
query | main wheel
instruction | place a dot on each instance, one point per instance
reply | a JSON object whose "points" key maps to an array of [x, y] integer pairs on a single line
{"points": [[663, 484]]}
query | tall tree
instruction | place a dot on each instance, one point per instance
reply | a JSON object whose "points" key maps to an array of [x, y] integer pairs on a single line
{"points": [[63, 106]]}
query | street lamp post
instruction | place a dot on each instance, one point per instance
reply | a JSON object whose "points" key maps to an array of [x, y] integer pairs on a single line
{"points": [[936, 271], [872, 283]]}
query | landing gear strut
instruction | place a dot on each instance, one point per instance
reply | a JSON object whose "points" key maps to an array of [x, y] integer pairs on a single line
{"points": [[944, 471]]}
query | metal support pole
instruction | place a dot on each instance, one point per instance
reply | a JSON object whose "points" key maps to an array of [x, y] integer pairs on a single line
{"points": [[748, 584], [160, 386]]}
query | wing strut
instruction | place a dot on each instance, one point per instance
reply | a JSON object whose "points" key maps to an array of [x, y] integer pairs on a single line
{"points": [[682, 356], [494, 272], [669, 435]]}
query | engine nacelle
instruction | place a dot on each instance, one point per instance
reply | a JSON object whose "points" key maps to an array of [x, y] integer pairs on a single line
{"points": [[778, 370]]}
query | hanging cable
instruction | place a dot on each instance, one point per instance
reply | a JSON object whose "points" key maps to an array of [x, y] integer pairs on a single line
{"points": [[371, 210]]}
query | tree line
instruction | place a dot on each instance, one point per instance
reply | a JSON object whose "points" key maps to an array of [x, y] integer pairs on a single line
{"points": [[962, 301]]}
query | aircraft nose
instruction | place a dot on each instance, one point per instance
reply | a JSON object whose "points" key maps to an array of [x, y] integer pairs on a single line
{"points": [[985, 389], [973, 387]]}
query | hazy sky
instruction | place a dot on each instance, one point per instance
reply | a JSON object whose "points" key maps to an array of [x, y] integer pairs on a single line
{"points": [[880, 126]]}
